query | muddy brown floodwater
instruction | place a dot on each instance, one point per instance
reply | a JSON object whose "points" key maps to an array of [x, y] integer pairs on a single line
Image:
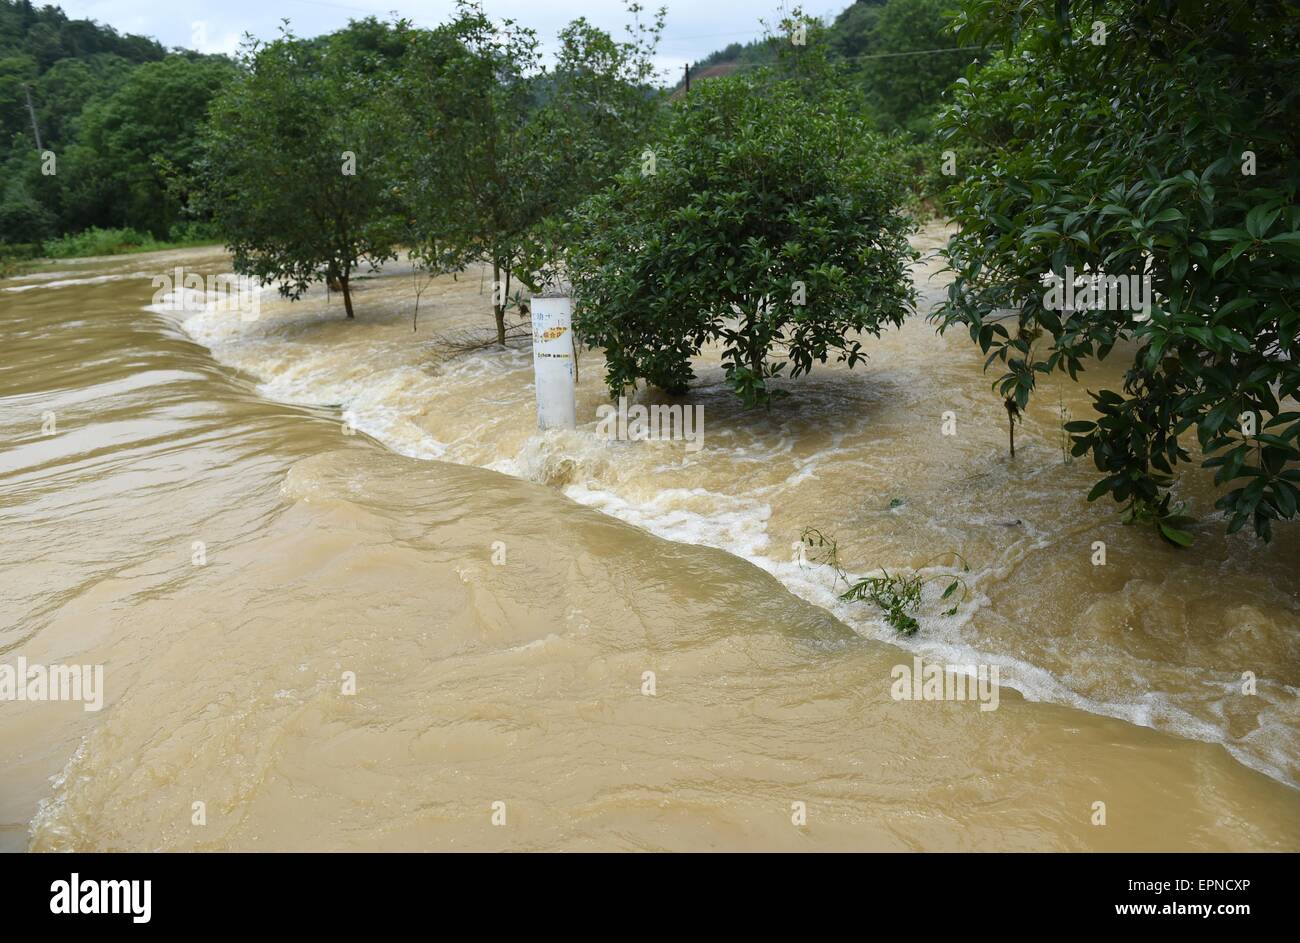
{"points": [[198, 521]]}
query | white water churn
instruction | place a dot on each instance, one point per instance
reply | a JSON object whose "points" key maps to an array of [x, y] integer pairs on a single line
{"points": [[553, 365]]}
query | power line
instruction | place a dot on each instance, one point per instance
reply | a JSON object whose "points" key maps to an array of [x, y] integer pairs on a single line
{"points": [[915, 52], [874, 55]]}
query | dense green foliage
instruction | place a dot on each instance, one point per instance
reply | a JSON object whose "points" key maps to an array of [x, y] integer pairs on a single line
{"points": [[904, 77], [884, 50], [328, 152], [136, 152], [118, 113], [757, 221], [296, 163], [1170, 149], [527, 144], [44, 35], [895, 59], [96, 241], [1145, 139]]}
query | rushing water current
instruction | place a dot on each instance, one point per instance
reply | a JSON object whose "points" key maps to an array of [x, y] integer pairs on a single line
{"points": [[394, 638]]}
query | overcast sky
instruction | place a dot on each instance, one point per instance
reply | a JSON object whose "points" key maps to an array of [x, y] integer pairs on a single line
{"points": [[694, 28]]}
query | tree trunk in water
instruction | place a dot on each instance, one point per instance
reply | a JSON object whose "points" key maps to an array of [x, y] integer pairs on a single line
{"points": [[500, 312], [1013, 413], [347, 295], [755, 352]]}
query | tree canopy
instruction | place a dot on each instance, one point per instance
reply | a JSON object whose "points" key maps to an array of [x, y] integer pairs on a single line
{"points": [[1148, 140], [295, 167], [121, 139], [526, 144], [754, 220]]}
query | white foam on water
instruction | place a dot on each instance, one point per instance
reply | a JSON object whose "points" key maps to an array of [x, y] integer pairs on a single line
{"points": [[87, 280], [386, 403], [737, 525]]}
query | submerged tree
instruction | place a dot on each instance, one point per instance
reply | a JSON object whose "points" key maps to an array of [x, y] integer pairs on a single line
{"points": [[495, 148], [1134, 142], [295, 164], [756, 218]]}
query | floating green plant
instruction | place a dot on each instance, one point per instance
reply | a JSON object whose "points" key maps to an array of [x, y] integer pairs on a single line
{"points": [[897, 595]]}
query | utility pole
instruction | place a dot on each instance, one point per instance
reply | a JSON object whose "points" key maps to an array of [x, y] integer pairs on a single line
{"points": [[688, 76], [32, 111]]}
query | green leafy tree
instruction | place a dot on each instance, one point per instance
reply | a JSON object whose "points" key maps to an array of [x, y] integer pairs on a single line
{"points": [[473, 188], [598, 104], [803, 56], [765, 222], [1161, 143], [907, 79], [295, 165], [61, 67], [851, 31], [497, 148], [63, 92], [17, 73], [133, 145], [23, 219], [36, 41]]}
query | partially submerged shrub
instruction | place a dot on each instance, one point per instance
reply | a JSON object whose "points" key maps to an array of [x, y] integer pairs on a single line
{"points": [[898, 595], [1145, 141], [294, 168], [758, 219]]}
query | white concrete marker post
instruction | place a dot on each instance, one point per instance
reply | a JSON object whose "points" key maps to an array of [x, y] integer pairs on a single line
{"points": [[553, 367]]}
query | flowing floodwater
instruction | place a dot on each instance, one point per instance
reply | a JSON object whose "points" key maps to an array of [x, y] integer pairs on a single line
{"points": [[199, 522]]}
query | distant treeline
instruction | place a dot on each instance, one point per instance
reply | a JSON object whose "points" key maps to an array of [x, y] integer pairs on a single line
{"points": [[117, 113], [887, 48]]}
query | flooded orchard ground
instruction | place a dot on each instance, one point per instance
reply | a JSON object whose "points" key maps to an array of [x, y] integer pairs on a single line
{"points": [[499, 627]]}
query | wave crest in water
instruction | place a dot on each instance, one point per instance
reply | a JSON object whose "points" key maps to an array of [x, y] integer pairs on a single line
{"points": [[522, 681], [859, 455]]}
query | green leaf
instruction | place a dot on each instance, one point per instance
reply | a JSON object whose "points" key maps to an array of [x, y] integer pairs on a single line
{"points": [[1259, 219], [1100, 488]]}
